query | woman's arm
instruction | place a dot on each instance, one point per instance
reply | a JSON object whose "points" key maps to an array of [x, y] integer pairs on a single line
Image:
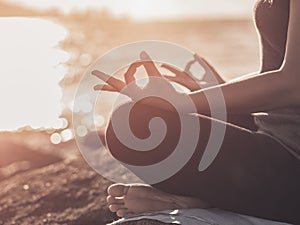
{"points": [[274, 89], [291, 64], [262, 92], [258, 93]]}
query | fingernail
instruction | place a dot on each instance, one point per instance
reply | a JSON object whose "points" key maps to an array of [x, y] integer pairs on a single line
{"points": [[94, 72], [144, 55]]}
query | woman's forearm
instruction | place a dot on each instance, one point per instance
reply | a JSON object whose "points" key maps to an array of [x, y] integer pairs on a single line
{"points": [[258, 93], [275, 89]]}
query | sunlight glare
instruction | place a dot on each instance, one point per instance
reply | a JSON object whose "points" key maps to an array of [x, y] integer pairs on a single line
{"points": [[29, 72]]}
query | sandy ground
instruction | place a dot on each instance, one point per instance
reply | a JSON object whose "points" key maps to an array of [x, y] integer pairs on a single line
{"points": [[44, 183]]}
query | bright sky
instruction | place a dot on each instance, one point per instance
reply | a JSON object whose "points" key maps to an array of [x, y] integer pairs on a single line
{"points": [[154, 9]]}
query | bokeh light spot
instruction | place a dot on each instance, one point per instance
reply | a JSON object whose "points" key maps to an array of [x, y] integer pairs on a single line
{"points": [[55, 138], [85, 59], [99, 120], [81, 131]]}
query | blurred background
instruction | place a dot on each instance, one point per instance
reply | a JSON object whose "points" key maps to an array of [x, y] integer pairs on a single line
{"points": [[46, 46]]}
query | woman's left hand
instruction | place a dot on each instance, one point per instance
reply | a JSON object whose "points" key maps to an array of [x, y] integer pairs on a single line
{"points": [[185, 78]]}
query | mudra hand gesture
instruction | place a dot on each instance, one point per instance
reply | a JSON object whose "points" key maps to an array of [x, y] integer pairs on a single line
{"points": [[186, 78], [183, 78], [155, 86]]}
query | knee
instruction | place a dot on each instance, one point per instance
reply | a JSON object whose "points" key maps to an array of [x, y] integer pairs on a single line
{"points": [[138, 119], [128, 113]]}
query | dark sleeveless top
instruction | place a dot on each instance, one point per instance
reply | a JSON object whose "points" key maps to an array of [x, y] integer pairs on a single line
{"points": [[272, 24]]}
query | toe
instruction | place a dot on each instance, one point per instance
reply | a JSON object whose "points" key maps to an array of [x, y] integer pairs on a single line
{"points": [[118, 190], [122, 212], [113, 200], [115, 207]]}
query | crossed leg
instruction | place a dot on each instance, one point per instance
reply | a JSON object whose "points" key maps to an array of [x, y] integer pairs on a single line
{"points": [[252, 174]]}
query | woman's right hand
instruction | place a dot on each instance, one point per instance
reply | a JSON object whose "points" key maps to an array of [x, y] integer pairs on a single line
{"points": [[186, 79]]}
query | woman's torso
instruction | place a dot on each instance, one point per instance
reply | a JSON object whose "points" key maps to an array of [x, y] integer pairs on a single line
{"points": [[272, 24]]}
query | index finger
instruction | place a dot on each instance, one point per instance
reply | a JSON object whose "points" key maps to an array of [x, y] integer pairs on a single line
{"points": [[171, 69], [114, 82], [149, 65], [129, 75]]}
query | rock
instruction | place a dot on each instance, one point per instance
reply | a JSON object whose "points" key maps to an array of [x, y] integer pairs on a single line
{"points": [[62, 193], [18, 155], [17, 158]]}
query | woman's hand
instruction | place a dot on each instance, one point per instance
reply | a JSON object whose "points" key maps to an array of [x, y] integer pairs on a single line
{"points": [[157, 85], [186, 79]]}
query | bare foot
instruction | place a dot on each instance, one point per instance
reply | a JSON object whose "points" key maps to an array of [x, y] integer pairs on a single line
{"points": [[129, 199]]}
